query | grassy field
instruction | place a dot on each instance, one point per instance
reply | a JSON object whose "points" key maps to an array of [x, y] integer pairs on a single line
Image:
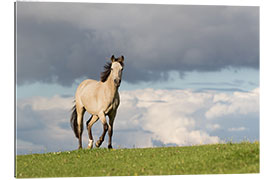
{"points": [[205, 159]]}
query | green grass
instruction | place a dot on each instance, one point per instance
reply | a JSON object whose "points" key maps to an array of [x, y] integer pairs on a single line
{"points": [[205, 159]]}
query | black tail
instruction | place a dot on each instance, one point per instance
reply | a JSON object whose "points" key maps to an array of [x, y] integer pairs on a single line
{"points": [[73, 121]]}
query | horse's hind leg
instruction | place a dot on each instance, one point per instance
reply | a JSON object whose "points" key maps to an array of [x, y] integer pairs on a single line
{"points": [[80, 113], [89, 124], [105, 128]]}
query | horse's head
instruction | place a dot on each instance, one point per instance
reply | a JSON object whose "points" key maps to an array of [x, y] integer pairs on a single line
{"points": [[116, 69]]}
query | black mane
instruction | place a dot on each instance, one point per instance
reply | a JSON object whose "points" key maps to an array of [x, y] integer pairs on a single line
{"points": [[107, 70]]}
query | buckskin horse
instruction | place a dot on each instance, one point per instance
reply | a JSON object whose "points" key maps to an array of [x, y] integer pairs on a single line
{"points": [[100, 99]]}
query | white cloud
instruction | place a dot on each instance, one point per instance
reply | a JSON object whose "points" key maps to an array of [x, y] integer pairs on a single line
{"points": [[181, 116], [237, 129], [42, 103], [213, 127], [170, 115], [146, 116], [237, 103], [45, 122]]}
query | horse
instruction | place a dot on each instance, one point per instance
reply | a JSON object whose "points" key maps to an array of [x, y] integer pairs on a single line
{"points": [[99, 99]]}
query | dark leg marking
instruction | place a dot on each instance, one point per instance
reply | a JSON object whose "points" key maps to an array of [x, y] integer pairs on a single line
{"points": [[110, 130], [110, 133], [101, 138]]}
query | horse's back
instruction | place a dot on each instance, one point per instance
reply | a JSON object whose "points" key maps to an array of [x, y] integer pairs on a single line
{"points": [[84, 84]]}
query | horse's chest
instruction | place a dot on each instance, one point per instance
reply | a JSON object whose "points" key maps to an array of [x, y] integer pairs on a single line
{"points": [[112, 105]]}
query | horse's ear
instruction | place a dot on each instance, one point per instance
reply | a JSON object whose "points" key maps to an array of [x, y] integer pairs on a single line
{"points": [[112, 58], [121, 59]]}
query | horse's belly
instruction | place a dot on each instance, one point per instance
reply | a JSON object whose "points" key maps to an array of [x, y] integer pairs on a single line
{"points": [[96, 108]]}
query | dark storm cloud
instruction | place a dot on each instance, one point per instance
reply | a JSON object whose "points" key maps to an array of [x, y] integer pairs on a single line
{"points": [[61, 42], [56, 52]]}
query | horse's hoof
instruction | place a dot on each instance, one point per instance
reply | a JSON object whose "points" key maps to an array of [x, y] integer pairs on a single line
{"points": [[110, 146], [97, 144]]}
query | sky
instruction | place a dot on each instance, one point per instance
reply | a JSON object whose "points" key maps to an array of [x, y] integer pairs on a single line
{"points": [[191, 72]]}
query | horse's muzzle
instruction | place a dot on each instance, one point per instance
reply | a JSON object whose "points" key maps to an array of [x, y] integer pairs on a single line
{"points": [[117, 82]]}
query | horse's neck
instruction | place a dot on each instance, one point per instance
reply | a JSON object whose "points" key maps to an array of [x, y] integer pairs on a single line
{"points": [[111, 90]]}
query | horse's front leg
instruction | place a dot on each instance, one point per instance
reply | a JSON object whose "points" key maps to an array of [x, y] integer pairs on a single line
{"points": [[89, 125], [105, 129], [110, 130]]}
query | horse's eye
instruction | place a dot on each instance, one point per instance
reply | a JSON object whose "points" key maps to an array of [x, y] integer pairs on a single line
{"points": [[111, 69]]}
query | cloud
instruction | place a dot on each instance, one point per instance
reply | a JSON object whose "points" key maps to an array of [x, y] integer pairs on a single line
{"points": [[145, 118], [61, 42], [237, 129], [39, 103], [213, 127], [184, 117], [44, 122], [239, 103]]}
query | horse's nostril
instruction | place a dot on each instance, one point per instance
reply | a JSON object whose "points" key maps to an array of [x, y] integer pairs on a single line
{"points": [[119, 81]]}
